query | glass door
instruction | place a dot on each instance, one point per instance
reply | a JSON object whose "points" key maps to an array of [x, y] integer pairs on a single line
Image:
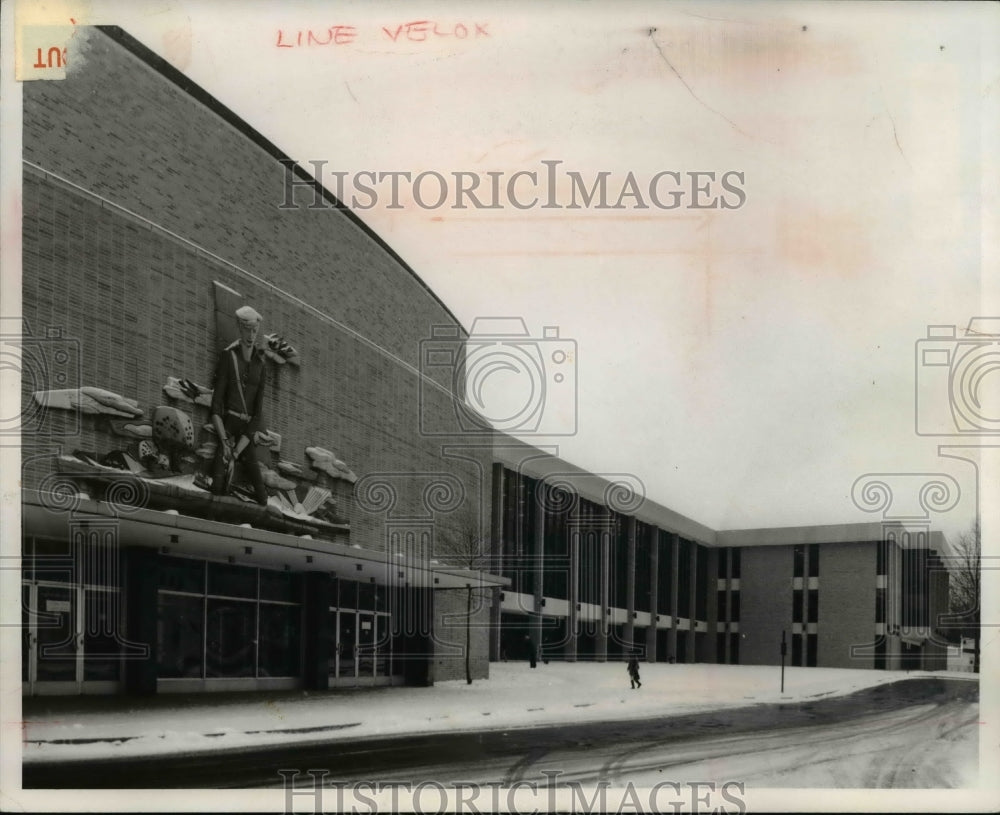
{"points": [[70, 639], [347, 644], [366, 644], [53, 639]]}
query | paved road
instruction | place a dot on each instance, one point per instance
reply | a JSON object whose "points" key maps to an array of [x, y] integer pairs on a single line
{"points": [[896, 735]]}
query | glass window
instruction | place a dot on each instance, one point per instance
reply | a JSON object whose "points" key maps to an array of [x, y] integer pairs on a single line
{"points": [[100, 561], [664, 573], [813, 600], [382, 644], [684, 578], [227, 580], [182, 574], [348, 594], [56, 634], [796, 649], [620, 577], [701, 583], [734, 607], [282, 586], [229, 645], [53, 561], [279, 640], [722, 557], [812, 643], [735, 553], [797, 606], [720, 603], [643, 573], [798, 561], [880, 605], [366, 596], [180, 637], [381, 598], [103, 631], [347, 642], [814, 560]]}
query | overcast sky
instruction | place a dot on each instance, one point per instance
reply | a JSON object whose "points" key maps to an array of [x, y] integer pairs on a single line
{"points": [[747, 364]]}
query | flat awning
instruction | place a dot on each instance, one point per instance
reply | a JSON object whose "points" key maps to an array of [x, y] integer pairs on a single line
{"points": [[184, 535]]}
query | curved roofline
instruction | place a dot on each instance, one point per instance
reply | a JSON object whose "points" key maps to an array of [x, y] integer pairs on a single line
{"points": [[203, 97]]}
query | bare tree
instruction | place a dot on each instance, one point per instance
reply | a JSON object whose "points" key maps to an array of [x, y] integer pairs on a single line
{"points": [[965, 585], [469, 550]]}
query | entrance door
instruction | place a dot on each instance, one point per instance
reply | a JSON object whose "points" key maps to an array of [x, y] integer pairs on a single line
{"points": [[70, 642], [347, 644], [366, 645], [362, 647]]}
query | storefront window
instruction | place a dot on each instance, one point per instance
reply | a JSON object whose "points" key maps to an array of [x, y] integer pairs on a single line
{"points": [[279, 640], [227, 580], [182, 574], [247, 625], [229, 644], [281, 586], [181, 640]]}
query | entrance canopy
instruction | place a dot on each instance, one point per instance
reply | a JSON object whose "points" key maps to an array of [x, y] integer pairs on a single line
{"points": [[65, 517]]}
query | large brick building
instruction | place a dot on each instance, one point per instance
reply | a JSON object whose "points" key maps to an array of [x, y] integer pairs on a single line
{"points": [[597, 569], [151, 212]]}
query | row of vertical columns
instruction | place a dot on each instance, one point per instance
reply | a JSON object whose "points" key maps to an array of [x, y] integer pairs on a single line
{"points": [[589, 530]]}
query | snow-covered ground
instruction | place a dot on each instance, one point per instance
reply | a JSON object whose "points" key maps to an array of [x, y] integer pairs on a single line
{"points": [[514, 696]]}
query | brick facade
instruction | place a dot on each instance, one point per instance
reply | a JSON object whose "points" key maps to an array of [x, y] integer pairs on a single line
{"points": [[120, 141], [847, 605], [450, 619], [765, 603]]}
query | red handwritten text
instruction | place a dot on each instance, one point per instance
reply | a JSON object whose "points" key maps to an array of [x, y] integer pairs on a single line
{"points": [[413, 31], [423, 30], [332, 35], [54, 58]]}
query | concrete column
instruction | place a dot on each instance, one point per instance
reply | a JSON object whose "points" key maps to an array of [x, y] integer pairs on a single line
{"points": [[496, 545], [654, 569], [603, 531], [674, 583], [573, 532], [538, 568], [142, 584], [712, 605], [690, 653], [727, 651], [316, 634], [630, 584]]}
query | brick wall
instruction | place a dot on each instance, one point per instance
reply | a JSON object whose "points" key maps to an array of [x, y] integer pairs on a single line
{"points": [[138, 302], [765, 604], [450, 616], [846, 603]]}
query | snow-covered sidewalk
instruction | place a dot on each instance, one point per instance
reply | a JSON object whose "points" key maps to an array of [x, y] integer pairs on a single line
{"points": [[514, 696]]}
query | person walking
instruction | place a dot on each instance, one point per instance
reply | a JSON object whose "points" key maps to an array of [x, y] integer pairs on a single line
{"points": [[633, 671]]}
